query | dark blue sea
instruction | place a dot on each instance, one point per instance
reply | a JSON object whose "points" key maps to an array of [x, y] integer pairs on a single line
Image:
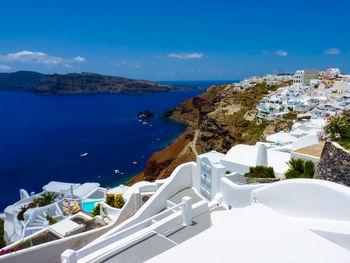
{"points": [[43, 136]]}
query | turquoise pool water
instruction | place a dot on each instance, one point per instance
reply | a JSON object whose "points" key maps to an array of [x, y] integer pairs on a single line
{"points": [[89, 206]]}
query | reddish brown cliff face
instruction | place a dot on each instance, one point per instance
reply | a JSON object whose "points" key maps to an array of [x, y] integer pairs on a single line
{"points": [[217, 120]]}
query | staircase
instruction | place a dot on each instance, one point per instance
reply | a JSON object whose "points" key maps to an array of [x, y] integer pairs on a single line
{"points": [[38, 220]]}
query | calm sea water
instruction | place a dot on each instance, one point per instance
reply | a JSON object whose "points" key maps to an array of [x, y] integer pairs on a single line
{"points": [[43, 136]]}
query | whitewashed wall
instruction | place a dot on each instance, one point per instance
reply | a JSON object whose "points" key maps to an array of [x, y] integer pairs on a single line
{"points": [[306, 198], [237, 195], [51, 252], [180, 178]]}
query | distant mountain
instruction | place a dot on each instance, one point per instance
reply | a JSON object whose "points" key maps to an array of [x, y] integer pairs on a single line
{"points": [[78, 83]]}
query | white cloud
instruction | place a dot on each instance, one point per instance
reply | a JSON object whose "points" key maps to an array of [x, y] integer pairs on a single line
{"points": [[4, 67], [332, 51], [185, 55], [135, 65], [264, 52], [32, 57], [78, 59], [281, 53]]}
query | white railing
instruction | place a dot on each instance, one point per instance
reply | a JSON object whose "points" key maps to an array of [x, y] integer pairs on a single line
{"points": [[110, 246]]}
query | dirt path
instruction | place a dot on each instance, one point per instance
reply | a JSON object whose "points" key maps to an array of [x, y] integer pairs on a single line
{"points": [[194, 141]]}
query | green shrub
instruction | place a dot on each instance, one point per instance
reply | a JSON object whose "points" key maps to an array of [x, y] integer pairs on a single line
{"points": [[96, 211], [51, 220], [260, 172], [309, 169], [119, 201], [290, 174], [296, 165], [228, 172], [47, 198], [110, 199], [299, 168], [115, 200]]}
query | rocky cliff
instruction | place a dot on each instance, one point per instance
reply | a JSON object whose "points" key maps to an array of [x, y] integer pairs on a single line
{"points": [[77, 83], [334, 164], [217, 120]]}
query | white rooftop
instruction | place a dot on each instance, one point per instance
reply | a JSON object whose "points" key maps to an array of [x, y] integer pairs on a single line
{"points": [[213, 156], [65, 228], [247, 155], [58, 187], [84, 190], [282, 137], [255, 234]]}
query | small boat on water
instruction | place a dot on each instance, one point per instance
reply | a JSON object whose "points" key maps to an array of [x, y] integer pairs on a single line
{"points": [[116, 171], [134, 163], [84, 155]]}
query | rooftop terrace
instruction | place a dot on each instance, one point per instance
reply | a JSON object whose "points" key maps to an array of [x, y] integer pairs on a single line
{"points": [[313, 150]]}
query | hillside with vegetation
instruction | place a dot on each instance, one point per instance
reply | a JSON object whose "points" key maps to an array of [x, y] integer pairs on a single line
{"points": [[216, 120], [78, 83]]}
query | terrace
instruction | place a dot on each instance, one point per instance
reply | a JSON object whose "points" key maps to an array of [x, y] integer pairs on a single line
{"points": [[155, 243], [183, 215]]}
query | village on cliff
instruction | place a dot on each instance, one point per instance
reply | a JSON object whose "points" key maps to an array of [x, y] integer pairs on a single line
{"points": [[284, 199]]}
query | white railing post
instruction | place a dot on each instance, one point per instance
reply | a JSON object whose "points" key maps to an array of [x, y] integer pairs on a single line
{"points": [[186, 210], [69, 256]]}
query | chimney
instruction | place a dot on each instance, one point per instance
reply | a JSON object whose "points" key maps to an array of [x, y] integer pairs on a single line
{"points": [[261, 158]]}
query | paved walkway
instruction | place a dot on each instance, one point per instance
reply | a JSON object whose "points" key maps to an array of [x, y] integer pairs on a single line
{"points": [[177, 198]]}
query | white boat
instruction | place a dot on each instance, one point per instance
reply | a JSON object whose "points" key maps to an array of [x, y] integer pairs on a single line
{"points": [[116, 171], [84, 155], [134, 163]]}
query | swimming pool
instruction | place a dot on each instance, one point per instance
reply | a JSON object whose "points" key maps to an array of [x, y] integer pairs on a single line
{"points": [[89, 206]]}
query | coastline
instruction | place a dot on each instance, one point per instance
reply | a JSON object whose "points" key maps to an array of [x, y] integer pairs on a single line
{"points": [[216, 120]]}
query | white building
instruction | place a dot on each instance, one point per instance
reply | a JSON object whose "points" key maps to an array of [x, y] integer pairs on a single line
{"points": [[278, 77], [304, 76], [205, 211], [35, 219], [331, 73], [202, 214]]}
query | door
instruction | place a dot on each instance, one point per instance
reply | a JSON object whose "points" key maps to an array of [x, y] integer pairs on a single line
{"points": [[205, 187]]}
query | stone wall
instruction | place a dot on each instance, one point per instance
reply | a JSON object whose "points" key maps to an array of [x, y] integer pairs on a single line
{"points": [[334, 164], [261, 180]]}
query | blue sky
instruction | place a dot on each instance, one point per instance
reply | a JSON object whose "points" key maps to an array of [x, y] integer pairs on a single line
{"points": [[174, 40]]}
